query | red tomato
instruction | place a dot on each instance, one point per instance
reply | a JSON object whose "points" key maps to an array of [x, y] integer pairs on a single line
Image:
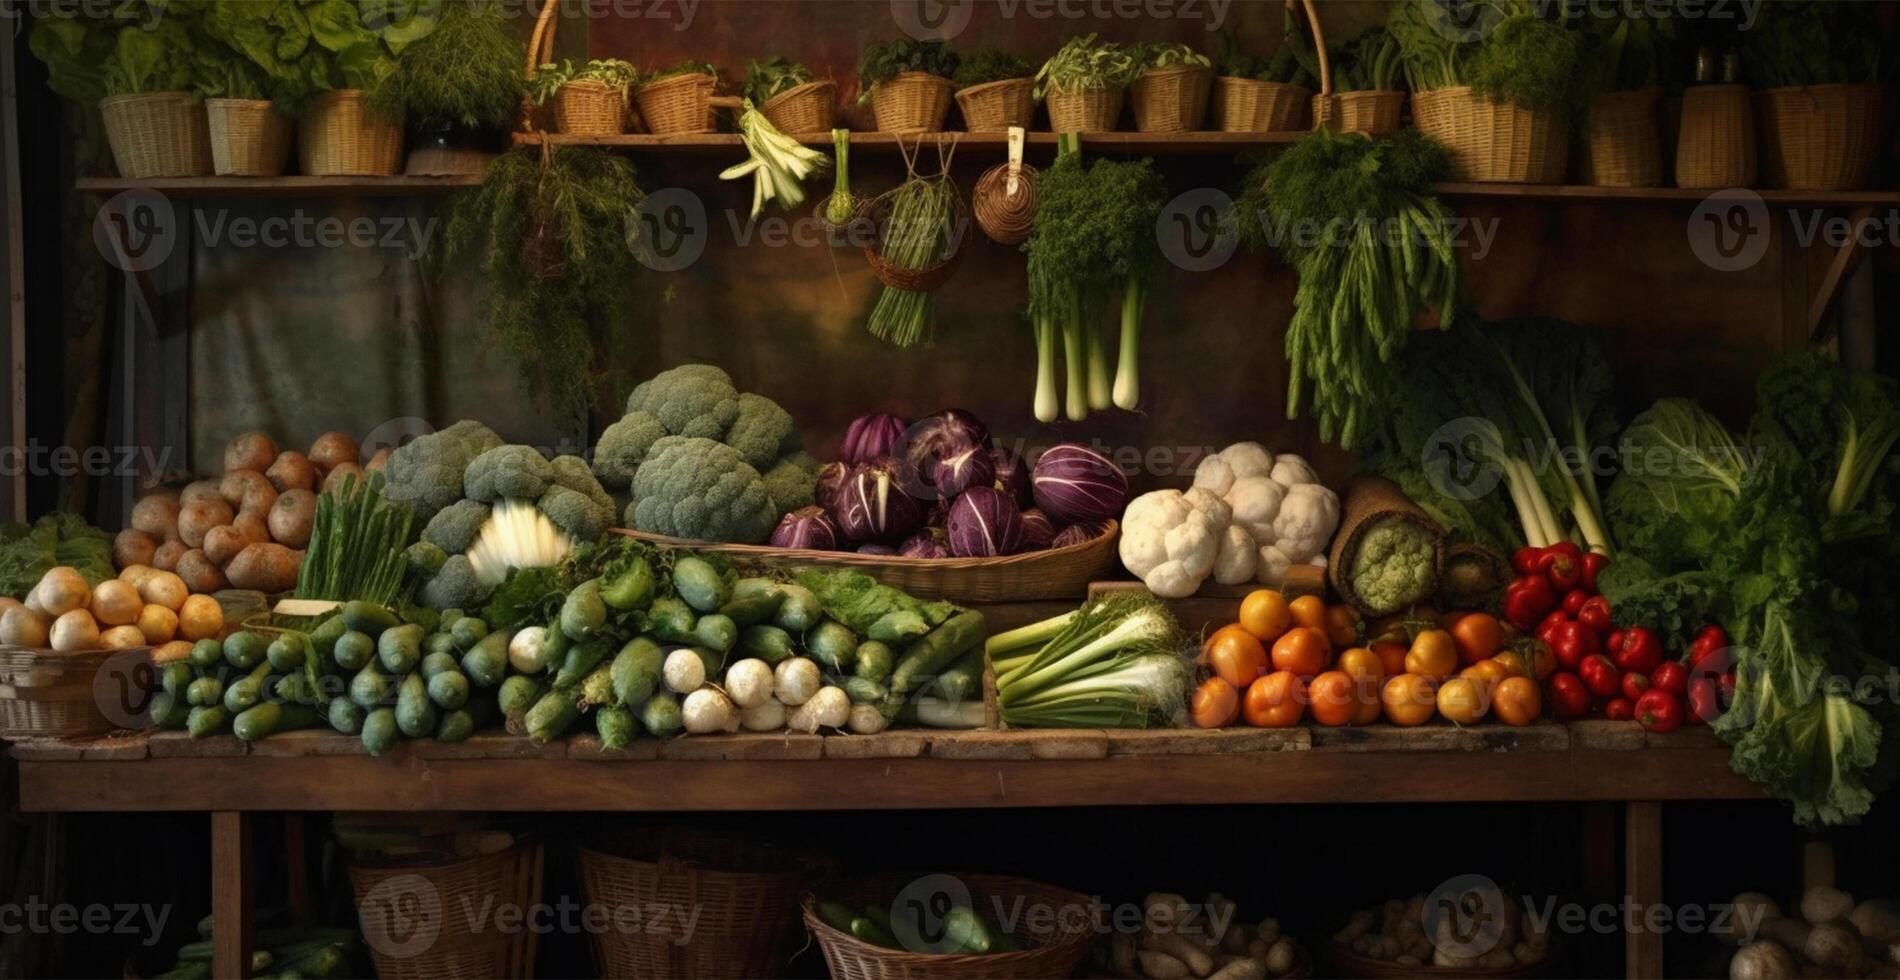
{"points": [[1636, 685], [1572, 642], [1705, 704], [1593, 564], [1574, 600], [1600, 675], [1568, 697], [1547, 628], [1708, 642], [1567, 548], [1524, 560], [1595, 613], [1620, 709], [1641, 652], [1659, 711], [1613, 642], [1529, 599], [1563, 570], [1672, 676]]}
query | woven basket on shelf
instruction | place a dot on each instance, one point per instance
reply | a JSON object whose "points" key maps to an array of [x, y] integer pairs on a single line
{"points": [[399, 902], [911, 102], [745, 895], [588, 107], [249, 137], [808, 108], [1053, 942], [339, 136], [993, 107], [1171, 100], [1089, 110], [1007, 218], [1624, 143], [47, 694], [1715, 141], [157, 134], [1246, 105], [1371, 113], [1489, 140], [678, 104], [1820, 137]]}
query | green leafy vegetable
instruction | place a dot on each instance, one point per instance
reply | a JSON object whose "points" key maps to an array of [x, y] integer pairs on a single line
{"points": [[991, 65], [1082, 64], [774, 76], [1796, 42], [59, 538], [466, 72], [882, 62]]}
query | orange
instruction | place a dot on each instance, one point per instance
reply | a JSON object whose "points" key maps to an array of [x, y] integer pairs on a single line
{"points": [[1432, 654], [1409, 699], [1342, 626], [1513, 663], [1478, 636], [1264, 613], [1333, 700], [1310, 611], [1277, 700], [1302, 651], [1517, 701], [1215, 704], [1391, 654], [1235, 656], [1368, 675], [1463, 700]]}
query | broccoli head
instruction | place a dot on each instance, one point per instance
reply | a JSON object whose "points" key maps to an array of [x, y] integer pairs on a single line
{"points": [[455, 586], [579, 516], [456, 527], [572, 472], [760, 431], [425, 559], [622, 447], [507, 473], [791, 482], [426, 473], [691, 400], [703, 490]]}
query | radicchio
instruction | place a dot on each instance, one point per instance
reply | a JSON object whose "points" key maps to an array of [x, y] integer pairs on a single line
{"points": [[984, 523], [1073, 483], [873, 505], [959, 472], [809, 528], [871, 436], [927, 543], [1012, 476], [1076, 534], [940, 436], [1038, 530]]}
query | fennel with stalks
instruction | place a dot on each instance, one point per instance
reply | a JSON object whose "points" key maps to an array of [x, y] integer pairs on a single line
{"points": [[841, 207], [778, 163], [1116, 662]]}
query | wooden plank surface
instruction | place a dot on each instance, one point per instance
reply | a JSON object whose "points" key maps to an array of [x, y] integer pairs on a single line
{"points": [[396, 186], [231, 894], [1643, 879]]}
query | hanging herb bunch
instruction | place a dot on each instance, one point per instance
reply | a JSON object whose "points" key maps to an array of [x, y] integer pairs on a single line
{"points": [[920, 224], [547, 231]]}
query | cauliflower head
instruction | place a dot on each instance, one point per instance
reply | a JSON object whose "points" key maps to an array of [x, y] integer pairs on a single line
{"points": [[1308, 517], [1279, 504], [690, 400], [1170, 543], [1238, 461], [703, 490]]}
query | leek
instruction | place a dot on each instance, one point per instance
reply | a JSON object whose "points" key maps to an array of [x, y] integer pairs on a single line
{"points": [[1114, 662]]}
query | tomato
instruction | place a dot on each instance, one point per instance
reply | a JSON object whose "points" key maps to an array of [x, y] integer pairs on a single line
{"points": [[1548, 626], [1567, 548], [1332, 699], [1528, 599], [1636, 685], [1513, 663], [1215, 704], [1642, 650], [1573, 601], [1478, 636], [1445, 619], [1302, 651], [1564, 570], [1708, 640], [1568, 695], [1277, 700], [1235, 656], [1486, 672], [1619, 709], [1593, 565], [1671, 676], [1391, 654], [1387, 629], [1463, 701], [1264, 614], [1572, 642], [1543, 661], [1595, 613], [1368, 675], [1659, 711], [1409, 699], [1524, 560], [1600, 676], [1705, 701], [1433, 654], [1309, 611], [1517, 701], [1342, 626], [1613, 642]]}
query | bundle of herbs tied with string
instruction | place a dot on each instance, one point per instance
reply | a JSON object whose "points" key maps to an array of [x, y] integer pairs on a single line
{"points": [[920, 226]]}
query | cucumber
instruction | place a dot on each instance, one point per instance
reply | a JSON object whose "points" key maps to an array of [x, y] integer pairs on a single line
{"points": [[755, 607], [456, 726], [369, 688], [966, 931], [245, 649], [168, 710], [294, 689], [862, 690], [874, 661], [961, 680], [467, 632], [700, 584], [836, 915], [436, 663], [346, 716], [246, 690], [263, 719], [872, 933], [661, 714], [552, 716], [174, 677], [206, 654], [583, 613], [670, 620], [353, 650], [204, 691], [768, 643], [443, 643], [379, 731], [799, 611], [938, 649], [614, 725], [581, 660], [447, 618], [415, 715], [716, 632], [517, 695], [636, 670], [207, 720], [368, 617], [486, 663], [400, 649], [629, 589], [287, 652], [899, 627], [449, 690], [323, 638], [324, 961], [833, 644]]}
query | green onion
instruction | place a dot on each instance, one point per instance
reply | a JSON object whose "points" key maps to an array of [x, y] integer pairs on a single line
{"points": [[1115, 662], [921, 233]]}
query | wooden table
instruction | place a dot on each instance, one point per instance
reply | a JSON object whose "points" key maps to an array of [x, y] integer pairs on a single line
{"points": [[1592, 761]]}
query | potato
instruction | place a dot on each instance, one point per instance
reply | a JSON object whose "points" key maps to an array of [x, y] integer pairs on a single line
{"points": [[62, 590], [200, 490], [200, 619], [200, 573], [247, 490], [223, 543], [166, 557], [22, 627], [378, 461], [8, 602], [116, 603], [122, 638], [292, 471], [249, 451], [201, 517], [157, 514], [133, 547], [333, 449], [333, 480], [265, 567], [165, 653], [158, 624], [253, 525], [164, 589], [75, 631], [291, 519]]}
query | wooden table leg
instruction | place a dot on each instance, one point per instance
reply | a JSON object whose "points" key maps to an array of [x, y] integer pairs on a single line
{"points": [[230, 894], [295, 869], [1643, 878]]}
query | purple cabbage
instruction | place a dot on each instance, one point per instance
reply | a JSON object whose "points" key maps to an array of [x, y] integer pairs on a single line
{"points": [[873, 548], [938, 437], [832, 478], [871, 436], [1038, 530], [1012, 476], [1074, 484], [984, 523], [807, 527], [927, 543], [970, 468], [1076, 534], [873, 505]]}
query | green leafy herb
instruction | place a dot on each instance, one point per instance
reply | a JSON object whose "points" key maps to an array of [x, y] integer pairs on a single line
{"points": [[1514, 55], [991, 65], [618, 75], [1796, 42], [773, 76], [1162, 54], [356, 544], [686, 67], [1081, 64], [466, 73], [882, 62], [1368, 63]]}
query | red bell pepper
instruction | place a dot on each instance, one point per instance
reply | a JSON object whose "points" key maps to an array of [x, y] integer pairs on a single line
{"points": [[1563, 570], [1642, 650], [1568, 697], [1573, 643], [1593, 564], [1659, 711], [1600, 675], [1573, 601], [1705, 704], [1547, 628], [1614, 642], [1620, 709], [1524, 560], [1709, 640], [1595, 613], [1528, 600], [1568, 549], [1671, 676], [1636, 685]]}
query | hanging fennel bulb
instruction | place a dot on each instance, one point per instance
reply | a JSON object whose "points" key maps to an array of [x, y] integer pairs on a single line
{"points": [[516, 535], [1116, 663], [841, 207], [778, 163]]}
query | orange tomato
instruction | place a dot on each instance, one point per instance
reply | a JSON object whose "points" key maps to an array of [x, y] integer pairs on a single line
{"points": [[1387, 629], [1391, 654], [1277, 700], [1409, 699], [1463, 700], [1543, 660], [1486, 672], [1264, 614], [1309, 611], [1478, 636], [1513, 662], [1342, 626], [1446, 619], [1215, 704], [1235, 656], [1432, 654], [1302, 651], [1333, 700], [1517, 701], [1368, 675]]}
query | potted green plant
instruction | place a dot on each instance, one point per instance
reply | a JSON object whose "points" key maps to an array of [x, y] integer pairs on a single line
{"points": [[591, 100], [792, 100], [1261, 95], [678, 99], [458, 89], [907, 84], [1170, 94], [995, 90], [1083, 82], [154, 121], [1622, 130], [1366, 97], [1819, 105]]}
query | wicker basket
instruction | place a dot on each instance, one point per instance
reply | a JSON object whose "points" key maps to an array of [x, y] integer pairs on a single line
{"points": [[1371, 113], [249, 137], [1820, 137], [1057, 926], [1624, 141], [678, 104], [993, 107], [158, 134], [1344, 962], [1492, 141], [1089, 110], [746, 895], [399, 902], [1246, 105], [1171, 100], [47, 694], [912, 102], [1715, 142], [589, 108], [339, 136], [808, 108], [1057, 573]]}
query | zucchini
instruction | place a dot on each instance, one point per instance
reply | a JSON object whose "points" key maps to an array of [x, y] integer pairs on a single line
{"points": [[670, 620], [552, 716], [661, 714], [368, 617], [379, 731], [581, 660], [448, 689], [938, 649], [287, 652], [870, 932], [716, 632], [898, 627], [264, 719], [346, 716], [436, 663], [966, 932], [486, 663], [615, 726], [168, 710], [583, 613], [875, 660], [353, 650], [799, 611], [207, 720], [294, 689], [630, 589], [246, 690], [245, 649], [447, 618], [836, 915], [700, 584], [204, 691], [862, 690], [755, 607], [443, 643], [518, 693], [636, 670], [323, 638], [467, 632], [833, 645], [960, 680], [456, 726], [768, 643], [206, 654], [415, 715], [369, 688], [553, 649], [174, 677], [400, 649]]}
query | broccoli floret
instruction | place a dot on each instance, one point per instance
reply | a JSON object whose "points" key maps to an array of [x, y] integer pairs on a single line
{"points": [[426, 474], [790, 483], [700, 489], [507, 473], [623, 445], [572, 472], [1396, 566], [691, 400], [455, 586], [760, 431], [425, 559], [454, 528], [579, 516]]}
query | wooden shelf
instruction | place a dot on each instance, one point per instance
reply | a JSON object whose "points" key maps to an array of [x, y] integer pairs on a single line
{"points": [[397, 186], [1584, 193], [1159, 144]]}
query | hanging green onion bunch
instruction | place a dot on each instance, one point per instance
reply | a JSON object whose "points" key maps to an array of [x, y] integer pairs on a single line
{"points": [[920, 232]]}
